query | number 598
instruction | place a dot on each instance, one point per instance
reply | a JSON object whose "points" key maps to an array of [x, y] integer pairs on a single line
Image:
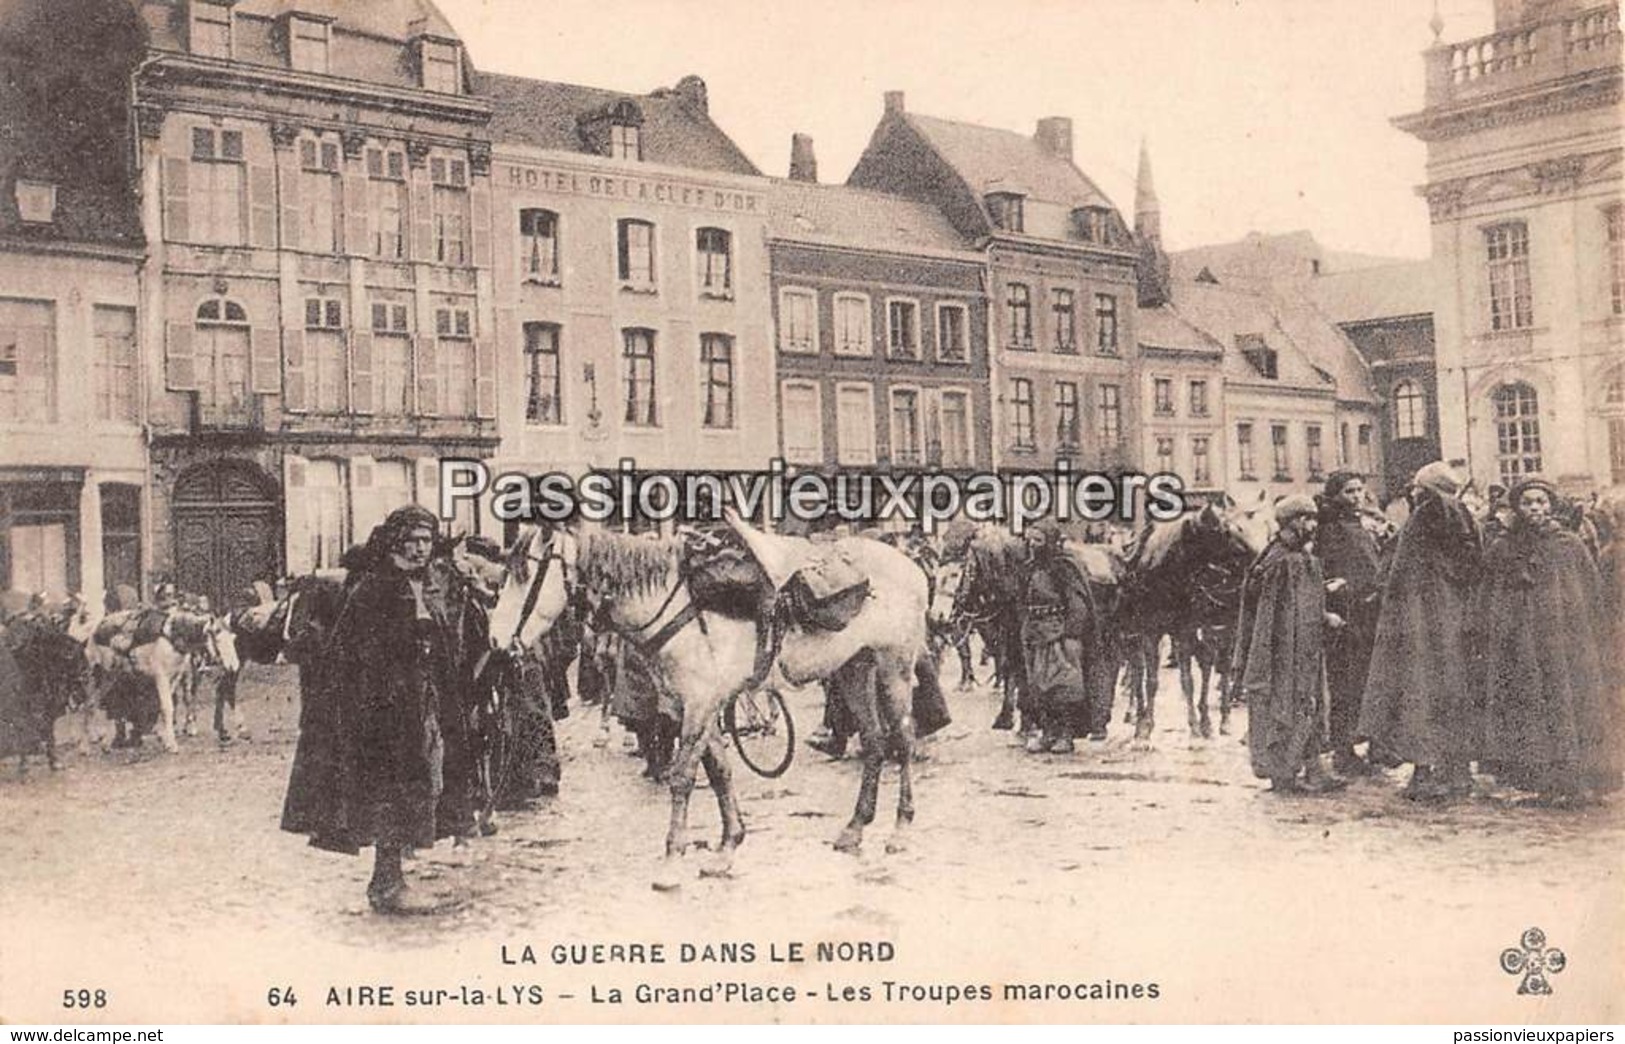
{"points": [[84, 998]]}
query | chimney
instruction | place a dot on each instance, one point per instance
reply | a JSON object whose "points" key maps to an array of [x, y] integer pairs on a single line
{"points": [[894, 103], [803, 164], [1055, 136], [691, 89]]}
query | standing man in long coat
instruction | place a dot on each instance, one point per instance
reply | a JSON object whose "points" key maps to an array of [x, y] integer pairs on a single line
{"points": [[1417, 705], [1349, 558], [389, 670], [1057, 623], [1552, 716], [1279, 651]]}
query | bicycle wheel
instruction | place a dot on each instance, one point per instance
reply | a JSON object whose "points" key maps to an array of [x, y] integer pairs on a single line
{"points": [[763, 731]]}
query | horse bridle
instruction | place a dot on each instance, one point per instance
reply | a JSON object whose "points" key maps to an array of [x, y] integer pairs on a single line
{"points": [[533, 593]]}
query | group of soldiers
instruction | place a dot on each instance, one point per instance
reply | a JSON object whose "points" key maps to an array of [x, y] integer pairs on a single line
{"points": [[1469, 640]]}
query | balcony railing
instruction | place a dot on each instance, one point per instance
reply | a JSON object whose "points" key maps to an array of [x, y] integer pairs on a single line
{"points": [[1525, 55]]}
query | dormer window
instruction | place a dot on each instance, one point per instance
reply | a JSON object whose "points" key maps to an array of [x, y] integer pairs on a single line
{"points": [[441, 64], [1257, 351], [209, 29], [36, 201], [626, 132], [309, 40], [1091, 224], [1007, 211]]}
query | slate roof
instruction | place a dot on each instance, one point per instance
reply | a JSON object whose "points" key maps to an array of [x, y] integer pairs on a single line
{"points": [[1224, 313], [837, 215], [1386, 292], [1258, 257], [1163, 327], [546, 115], [991, 160]]}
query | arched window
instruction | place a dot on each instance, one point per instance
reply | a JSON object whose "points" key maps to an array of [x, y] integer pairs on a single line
{"points": [[221, 358], [1517, 431], [1410, 411]]}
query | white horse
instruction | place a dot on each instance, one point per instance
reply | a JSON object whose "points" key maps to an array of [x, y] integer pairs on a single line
{"points": [[700, 659], [165, 656]]}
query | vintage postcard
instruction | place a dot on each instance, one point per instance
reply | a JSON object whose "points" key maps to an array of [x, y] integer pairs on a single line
{"points": [[1063, 511]]}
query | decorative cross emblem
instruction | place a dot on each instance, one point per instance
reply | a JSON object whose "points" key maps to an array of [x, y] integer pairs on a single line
{"points": [[1531, 959]]}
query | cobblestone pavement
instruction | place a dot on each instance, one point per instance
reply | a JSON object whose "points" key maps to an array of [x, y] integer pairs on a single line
{"points": [[165, 879]]}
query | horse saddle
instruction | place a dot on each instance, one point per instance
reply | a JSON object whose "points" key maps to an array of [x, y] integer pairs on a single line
{"points": [[825, 594], [724, 578], [130, 629]]}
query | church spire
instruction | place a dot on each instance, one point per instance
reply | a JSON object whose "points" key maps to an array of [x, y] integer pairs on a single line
{"points": [[1147, 211]]}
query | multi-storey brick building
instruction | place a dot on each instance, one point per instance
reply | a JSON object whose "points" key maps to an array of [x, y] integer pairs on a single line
{"points": [[72, 455], [317, 302], [631, 282], [1062, 278], [1524, 188], [882, 331]]}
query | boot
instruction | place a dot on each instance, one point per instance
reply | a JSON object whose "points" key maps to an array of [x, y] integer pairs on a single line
{"points": [[827, 741], [1316, 780], [1347, 763]]}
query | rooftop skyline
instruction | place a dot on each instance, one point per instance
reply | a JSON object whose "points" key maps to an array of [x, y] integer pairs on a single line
{"points": [[1260, 115]]}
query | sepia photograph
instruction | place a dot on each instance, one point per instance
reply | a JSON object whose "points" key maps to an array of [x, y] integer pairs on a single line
{"points": [[737, 512]]}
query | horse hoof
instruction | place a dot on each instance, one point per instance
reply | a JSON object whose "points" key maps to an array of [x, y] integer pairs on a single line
{"points": [[896, 845], [849, 843], [666, 883], [718, 870], [1207, 730]]}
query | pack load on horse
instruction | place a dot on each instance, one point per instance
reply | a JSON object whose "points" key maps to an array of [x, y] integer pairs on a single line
{"points": [[43, 673], [701, 654], [145, 660]]}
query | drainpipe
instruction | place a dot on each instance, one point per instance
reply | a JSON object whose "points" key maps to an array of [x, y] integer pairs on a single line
{"points": [[148, 521]]}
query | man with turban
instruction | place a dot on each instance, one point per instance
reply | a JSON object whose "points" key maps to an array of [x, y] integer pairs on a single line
{"points": [[1278, 655], [389, 675], [1057, 625], [1349, 557], [1417, 706], [1551, 714]]}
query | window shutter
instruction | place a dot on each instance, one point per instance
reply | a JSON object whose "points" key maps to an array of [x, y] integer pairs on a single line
{"points": [[357, 214], [288, 176], [361, 393], [300, 556], [479, 203], [485, 378], [261, 206], [428, 469], [426, 366], [180, 365], [422, 218], [177, 200], [295, 395], [265, 363]]}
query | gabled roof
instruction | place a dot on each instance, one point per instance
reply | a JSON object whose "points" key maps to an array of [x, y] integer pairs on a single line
{"points": [[1327, 347], [1386, 292], [1226, 313], [1163, 327], [1258, 258], [547, 115], [836, 215], [989, 159]]}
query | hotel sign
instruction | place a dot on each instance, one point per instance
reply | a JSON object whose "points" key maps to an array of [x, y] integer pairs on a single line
{"points": [[628, 189]]}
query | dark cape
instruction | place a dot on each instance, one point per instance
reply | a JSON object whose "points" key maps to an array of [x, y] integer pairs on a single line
{"points": [[1551, 706], [1349, 553], [1277, 660], [1417, 699], [378, 691], [1058, 625]]}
